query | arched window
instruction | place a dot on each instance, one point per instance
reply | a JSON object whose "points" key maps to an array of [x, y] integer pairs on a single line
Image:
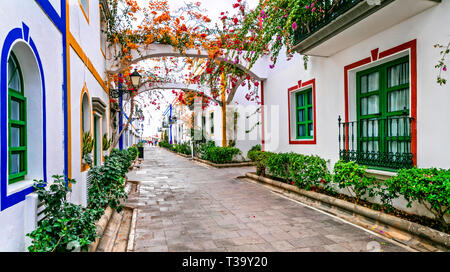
{"points": [[85, 114], [17, 122]]}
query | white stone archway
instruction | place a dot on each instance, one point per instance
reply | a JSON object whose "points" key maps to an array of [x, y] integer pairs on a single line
{"points": [[258, 70]]}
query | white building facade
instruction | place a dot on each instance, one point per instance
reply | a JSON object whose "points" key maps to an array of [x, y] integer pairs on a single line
{"points": [[378, 76], [52, 91]]}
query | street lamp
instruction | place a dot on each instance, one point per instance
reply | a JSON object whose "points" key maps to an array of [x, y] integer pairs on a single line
{"points": [[135, 79]]}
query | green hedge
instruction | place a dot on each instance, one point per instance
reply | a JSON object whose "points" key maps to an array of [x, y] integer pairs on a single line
{"points": [[183, 148], [216, 154], [430, 187]]}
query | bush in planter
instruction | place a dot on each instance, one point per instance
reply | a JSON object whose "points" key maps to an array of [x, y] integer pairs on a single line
{"points": [[183, 148], [251, 153], [66, 226], [107, 185], [202, 149], [429, 187], [278, 165], [217, 154], [260, 158], [133, 153], [164, 144], [352, 176], [309, 172]]}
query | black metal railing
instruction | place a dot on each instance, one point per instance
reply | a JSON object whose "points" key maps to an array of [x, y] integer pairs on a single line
{"points": [[331, 10], [377, 142]]}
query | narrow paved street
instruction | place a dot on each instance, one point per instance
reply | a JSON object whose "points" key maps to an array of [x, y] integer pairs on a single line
{"points": [[186, 206]]}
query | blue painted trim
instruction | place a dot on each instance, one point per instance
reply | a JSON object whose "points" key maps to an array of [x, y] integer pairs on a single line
{"points": [[14, 35], [170, 118], [120, 116], [58, 21], [64, 90]]}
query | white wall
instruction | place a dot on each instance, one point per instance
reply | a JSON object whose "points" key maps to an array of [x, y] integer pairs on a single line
{"points": [[432, 110], [48, 41]]}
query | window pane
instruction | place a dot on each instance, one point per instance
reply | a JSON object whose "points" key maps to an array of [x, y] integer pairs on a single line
{"points": [[300, 100], [301, 131], [84, 4], [310, 114], [309, 98], [369, 105], [373, 82], [398, 75], [311, 130], [15, 110], [15, 163], [398, 100], [364, 84], [301, 115], [13, 75], [15, 137]]}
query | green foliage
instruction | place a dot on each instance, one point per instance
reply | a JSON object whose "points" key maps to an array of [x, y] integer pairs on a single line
{"points": [[164, 144], [310, 172], [106, 142], [65, 226], [183, 148], [260, 158], [251, 153], [430, 187], [216, 154], [107, 182], [307, 172], [353, 176], [442, 66], [88, 143], [133, 153], [278, 165]]}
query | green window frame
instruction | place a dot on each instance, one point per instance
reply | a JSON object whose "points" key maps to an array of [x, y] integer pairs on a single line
{"points": [[212, 122], [304, 114], [383, 125], [17, 122]]}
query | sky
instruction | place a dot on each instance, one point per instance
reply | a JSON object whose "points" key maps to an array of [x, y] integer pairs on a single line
{"points": [[213, 8]]}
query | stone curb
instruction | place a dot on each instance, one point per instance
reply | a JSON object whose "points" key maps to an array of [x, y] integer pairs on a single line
{"points": [[102, 223], [419, 232], [101, 226], [132, 234]]}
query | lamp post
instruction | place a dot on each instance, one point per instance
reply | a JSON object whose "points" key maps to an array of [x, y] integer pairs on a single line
{"points": [[135, 78]]}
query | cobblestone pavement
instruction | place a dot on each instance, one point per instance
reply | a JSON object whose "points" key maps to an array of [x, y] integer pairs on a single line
{"points": [[187, 206]]}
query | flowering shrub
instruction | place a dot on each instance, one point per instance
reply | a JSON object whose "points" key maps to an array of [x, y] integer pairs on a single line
{"points": [[352, 176], [430, 187]]}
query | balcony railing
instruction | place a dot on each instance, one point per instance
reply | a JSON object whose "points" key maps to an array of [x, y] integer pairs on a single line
{"points": [[380, 143], [332, 9]]}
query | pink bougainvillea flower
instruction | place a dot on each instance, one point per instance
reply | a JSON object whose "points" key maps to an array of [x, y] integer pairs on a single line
{"points": [[294, 26]]}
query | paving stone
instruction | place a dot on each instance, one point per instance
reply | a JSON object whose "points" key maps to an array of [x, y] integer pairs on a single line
{"points": [[185, 206]]}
